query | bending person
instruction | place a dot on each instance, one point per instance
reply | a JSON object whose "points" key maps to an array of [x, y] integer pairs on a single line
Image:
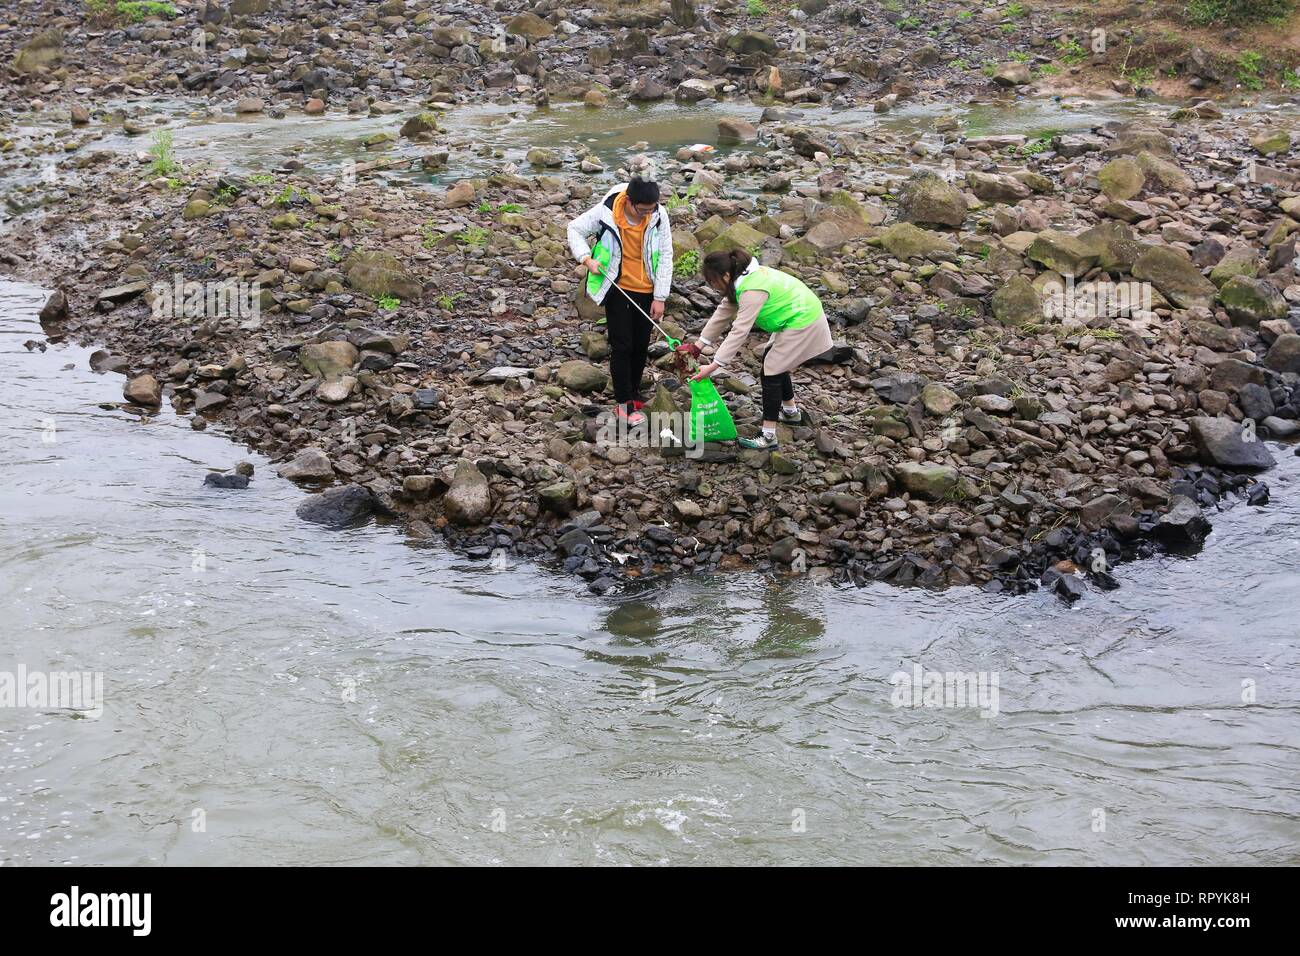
{"points": [[775, 302]]}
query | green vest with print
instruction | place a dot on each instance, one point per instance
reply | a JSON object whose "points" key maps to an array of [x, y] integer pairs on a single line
{"points": [[790, 304]]}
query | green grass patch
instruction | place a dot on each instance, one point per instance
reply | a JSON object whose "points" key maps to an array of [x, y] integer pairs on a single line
{"points": [[1238, 12]]}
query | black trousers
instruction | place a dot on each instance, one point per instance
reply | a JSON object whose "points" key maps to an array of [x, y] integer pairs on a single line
{"points": [[775, 389], [629, 337]]}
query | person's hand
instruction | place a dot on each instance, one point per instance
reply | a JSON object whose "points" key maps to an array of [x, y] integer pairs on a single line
{"points": [[657, 309], [690, 348], [706, 371], [592, 266]]}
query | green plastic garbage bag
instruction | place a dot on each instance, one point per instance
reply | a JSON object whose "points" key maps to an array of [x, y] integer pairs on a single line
{"points": [[710, 419]]}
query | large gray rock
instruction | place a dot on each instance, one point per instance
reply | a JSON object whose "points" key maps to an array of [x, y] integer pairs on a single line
{"points": [[469, 499], [529, 25], [907, 241], [1017, 303], [1284, 355], [560, 497], [751, 43], [927, 199], [1012, 74], [1172, 272], [935, 482], [1251, 301], [580, 376], [42, 51], [328, 360], [1062, 253], [143, 390], [1121, 178], [997, 187], [310, 464], [1220, 442], [380, 274]]}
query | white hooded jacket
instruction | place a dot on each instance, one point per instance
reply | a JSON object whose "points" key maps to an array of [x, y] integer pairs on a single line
{"points": [[598, 223]]}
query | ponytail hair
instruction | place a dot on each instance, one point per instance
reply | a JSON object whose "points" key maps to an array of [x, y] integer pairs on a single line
{"points": [[721, 263]]}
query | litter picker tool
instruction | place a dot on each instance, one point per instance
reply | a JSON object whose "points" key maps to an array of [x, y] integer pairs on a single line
{"points": [[672, 342]]}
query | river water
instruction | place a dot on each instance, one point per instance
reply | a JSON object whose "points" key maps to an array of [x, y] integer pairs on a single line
{"points": [[279, 693], [482, 137]]}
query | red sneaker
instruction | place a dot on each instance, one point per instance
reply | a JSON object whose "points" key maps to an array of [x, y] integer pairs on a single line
{"points": [[634, 418], [638, 405]]}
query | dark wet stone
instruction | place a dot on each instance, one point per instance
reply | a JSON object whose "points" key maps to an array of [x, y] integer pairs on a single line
{"points": [[575, 542], [214, 480], [1183, 524], [339, 507], [1069, 587]]}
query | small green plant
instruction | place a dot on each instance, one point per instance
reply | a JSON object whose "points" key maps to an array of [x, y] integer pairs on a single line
{"points": [[756, 8], [1071, 52], [429, 236], [1020, 56], [910, 22], [286, 196], [1291, 80], [1048, 69], [966, 15], [1007, 28], [163, 152], [448, 299], [1249, 67], [261, 179], [687, 264], [958, 64], [333, 254], [1039, 144], [225, 195], [676, 202], [1015, 10], [388, 303], [474, 236], [1139, 75]]}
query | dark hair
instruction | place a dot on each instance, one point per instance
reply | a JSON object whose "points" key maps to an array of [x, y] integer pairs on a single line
{"points": [[641, 191], [718, 264]]}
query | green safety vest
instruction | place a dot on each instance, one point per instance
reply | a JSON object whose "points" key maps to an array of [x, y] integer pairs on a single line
{"points": [[790, 304]]}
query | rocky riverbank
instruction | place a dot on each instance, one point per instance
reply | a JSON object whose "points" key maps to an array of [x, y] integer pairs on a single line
{"points": [[985, 417]]}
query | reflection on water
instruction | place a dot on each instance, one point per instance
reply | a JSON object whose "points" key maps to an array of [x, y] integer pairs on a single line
{"points": [[325, 697]]}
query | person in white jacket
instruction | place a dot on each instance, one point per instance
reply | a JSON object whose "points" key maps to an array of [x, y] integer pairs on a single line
{"points": [[625, 240]]}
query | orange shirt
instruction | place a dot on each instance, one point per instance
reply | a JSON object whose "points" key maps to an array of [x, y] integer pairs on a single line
{"points": [[633, 277]]}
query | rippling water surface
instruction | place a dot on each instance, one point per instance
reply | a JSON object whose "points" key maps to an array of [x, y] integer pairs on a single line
{"points": [[330, 697]]}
